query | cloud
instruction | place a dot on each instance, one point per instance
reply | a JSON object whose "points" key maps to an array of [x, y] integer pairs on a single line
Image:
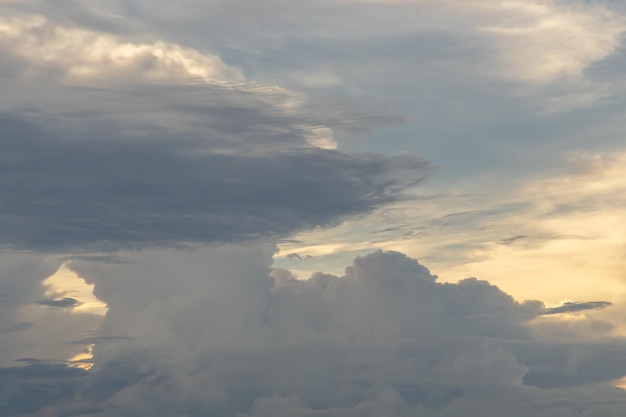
{"points": [[547, 40], [29, 327], [20, 277], [115, 143], [65, 302], [200, 160], [17, 327], [536, 41], [77, 194], [224, 339], [511, 240], [570, 307], [32, 387], [77, 55]]}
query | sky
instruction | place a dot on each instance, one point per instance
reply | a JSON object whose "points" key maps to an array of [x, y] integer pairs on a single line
{"points": [[331, 208]]}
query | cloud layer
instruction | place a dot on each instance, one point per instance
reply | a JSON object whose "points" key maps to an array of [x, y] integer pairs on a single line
{"points": [[67, 192]]}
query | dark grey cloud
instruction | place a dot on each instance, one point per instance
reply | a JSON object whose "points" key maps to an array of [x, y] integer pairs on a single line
{"points": [[17, 327], [32, 387], [99, 190], [97, 339], [115, 160], [99, 258], [297, 257], [65, 302], [577, 307], [594, 363], [511, 240], [27, 327], [20, 283]]}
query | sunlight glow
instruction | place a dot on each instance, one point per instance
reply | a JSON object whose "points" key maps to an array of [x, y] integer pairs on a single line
{"points": [[82, 360], [65, 283]]}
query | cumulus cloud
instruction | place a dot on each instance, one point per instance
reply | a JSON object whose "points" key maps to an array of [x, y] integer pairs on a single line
{"points": [[231, 337]]}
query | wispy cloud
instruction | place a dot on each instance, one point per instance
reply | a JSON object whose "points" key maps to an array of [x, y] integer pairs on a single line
{"points": [[570, 307]]}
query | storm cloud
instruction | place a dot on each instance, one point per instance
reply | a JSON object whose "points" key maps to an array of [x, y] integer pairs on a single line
{"points": [[128, 144], [81, 193], [32, 387]]}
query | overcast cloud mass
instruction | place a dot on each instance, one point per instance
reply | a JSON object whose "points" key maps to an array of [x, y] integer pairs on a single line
{"points": [[217, 208]]}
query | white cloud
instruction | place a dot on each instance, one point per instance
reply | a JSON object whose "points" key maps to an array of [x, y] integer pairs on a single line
{"points": [[547, 40], [87, 57]]}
